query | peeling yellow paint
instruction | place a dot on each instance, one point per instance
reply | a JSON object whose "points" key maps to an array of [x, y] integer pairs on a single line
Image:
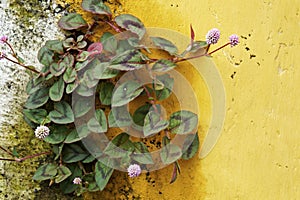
{"points": [[258, 155]]}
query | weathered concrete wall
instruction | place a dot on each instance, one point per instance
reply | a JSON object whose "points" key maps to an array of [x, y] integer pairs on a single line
{"points": [[28, 24]]}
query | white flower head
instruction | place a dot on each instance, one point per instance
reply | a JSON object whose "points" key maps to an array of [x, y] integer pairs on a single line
{"points": [[41, 132]]}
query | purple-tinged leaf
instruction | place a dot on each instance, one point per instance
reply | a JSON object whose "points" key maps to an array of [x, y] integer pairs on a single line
{"points": [[132, 24], [95, 7], [163, 65], [72, 21], [165, 45]]}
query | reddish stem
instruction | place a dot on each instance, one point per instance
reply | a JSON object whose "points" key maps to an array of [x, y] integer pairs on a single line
{"points": [[7, 151], [18, 63]]}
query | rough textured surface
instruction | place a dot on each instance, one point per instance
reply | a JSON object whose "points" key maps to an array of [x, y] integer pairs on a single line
{"points": [[27, 24], [257, 156]]}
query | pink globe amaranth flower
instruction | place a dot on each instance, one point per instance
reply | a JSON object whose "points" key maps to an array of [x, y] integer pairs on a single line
{"points": [[3, 39], [41, 132], [213, 36], [77, 181], [134, 170], [234, 40]]}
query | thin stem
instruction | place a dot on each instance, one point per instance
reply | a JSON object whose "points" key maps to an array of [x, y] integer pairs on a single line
{"points": [[201, 55], [12, 50], [7, 151], [113, 26], [22, 65], [7, 159], [32, 156], [221, 47]]}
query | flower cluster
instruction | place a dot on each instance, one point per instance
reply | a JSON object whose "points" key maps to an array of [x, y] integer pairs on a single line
{"points": [[3, 39], [234, 40], [213, 36], [134, 170], [41, 132], [77, 181]]}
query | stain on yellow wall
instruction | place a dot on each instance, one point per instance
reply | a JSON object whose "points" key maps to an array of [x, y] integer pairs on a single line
{"points": [[258, 154]]}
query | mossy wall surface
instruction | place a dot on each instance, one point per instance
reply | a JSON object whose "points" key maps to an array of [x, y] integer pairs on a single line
{"points": [[257, 156]]}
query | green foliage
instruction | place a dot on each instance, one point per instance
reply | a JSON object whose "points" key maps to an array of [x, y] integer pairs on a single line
{"points": [[76, 69]]}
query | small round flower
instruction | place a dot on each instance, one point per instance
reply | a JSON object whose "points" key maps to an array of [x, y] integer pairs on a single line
{"points": [[3, 39], [77, 181], [234, 40], [41, 132], [134, 170], [213, 36]]}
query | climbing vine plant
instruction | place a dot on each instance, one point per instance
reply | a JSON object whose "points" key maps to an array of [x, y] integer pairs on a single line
{"points": [[79, 67]]}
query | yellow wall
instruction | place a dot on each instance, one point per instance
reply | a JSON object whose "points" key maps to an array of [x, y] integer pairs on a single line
{"points": [[258, 154]]}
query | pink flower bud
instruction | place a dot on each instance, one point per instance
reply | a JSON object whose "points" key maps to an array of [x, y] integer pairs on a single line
{"points": [[234, 40], [213, 36]]}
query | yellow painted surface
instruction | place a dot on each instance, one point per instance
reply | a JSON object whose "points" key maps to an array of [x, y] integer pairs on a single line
{"points": [[258, 154]]}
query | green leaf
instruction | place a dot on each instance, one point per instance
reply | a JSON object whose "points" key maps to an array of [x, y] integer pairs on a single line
{"points": [[170, 153], [72, 21], [141, 154], [168, 83], [154, 121], [190, 146], [63, 174], [164, 44], [163, 65], [62, 113], [34, 85], [73, 153], [72, 137], [84, 90], [102, 71], [70, 75], [126, 92], [132, 24], [37, 99], [57, 134], [77, 134], [45, 56], [57, 149], [82, 106], [98, 124], [119, 117], [71, 87], [89, 79], [196, 46], [109, 42], [56, 69], [103, 174], [89, 159], [56, 91], [55, 45], [128, 60], [82, 56], [45, 172], [67, 185], [120, 146], [123, 46], [140, 114], [80, 65], [182, 122], [105, 93], [36, 115], [95, 7]]}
